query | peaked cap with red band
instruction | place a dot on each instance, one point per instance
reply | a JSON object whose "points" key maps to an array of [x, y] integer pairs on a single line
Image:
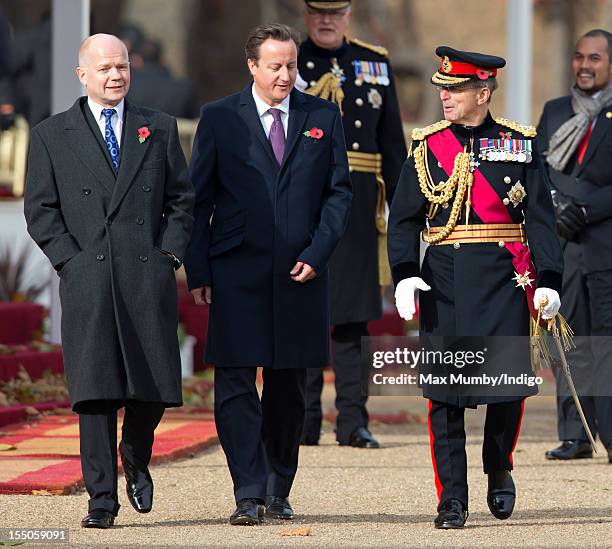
{"points": [[458, 67], [328, 5]]}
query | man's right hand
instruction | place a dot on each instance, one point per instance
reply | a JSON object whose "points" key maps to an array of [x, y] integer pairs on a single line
{"points": [[202, 296], [405, 296]]}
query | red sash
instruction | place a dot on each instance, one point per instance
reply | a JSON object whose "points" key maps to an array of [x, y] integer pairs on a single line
{"points": [[486, 203]]}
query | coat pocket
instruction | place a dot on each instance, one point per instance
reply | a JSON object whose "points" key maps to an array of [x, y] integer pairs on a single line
{"points": [[224, 243], [228, 225]]}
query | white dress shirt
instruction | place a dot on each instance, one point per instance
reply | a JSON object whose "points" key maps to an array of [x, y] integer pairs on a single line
{"points": [[265, 117], [116, 120]]}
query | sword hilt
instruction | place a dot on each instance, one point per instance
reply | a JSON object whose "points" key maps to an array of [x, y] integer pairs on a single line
{"points": [[551, 322]]}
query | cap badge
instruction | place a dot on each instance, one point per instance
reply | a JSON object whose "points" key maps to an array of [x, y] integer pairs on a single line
{"points": [[447, 66]]}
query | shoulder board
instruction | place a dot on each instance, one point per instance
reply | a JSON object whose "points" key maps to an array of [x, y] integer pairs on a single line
{"points": [[419, 134], [380, 50], [527, 131]]}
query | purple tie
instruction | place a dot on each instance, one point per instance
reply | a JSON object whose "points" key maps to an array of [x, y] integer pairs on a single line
{"points": [[277, 135]]}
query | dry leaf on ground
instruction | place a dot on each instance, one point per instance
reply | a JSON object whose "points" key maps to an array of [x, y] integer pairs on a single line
{"points": [[303, 531]]}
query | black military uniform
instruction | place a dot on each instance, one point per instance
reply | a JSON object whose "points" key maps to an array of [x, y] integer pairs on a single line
{"points": [[587, 280], [357, 76], [478, 269]]}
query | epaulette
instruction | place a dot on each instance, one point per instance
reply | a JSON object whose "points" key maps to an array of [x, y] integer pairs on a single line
{"points": [[527, 131], [419, 134], [380, 50]]}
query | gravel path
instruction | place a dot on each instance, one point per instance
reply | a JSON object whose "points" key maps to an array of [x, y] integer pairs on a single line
{"points": [[359, 498]]}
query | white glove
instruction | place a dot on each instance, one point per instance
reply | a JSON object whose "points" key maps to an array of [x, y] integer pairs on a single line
{"points": [[405, 295], [553, 305]]}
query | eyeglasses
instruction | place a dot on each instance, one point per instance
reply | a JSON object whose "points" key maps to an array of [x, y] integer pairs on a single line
{"points": [[333, 14]]}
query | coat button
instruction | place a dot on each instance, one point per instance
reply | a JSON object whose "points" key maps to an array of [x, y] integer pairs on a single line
{"points": [[143, 258], [506, 201], [309, 65], [507, 180], [456, 245], [501, 243], [359, 102], [358, 123], [86, 191], [355, 146], [100, 257], [313, 83], [139, 221], [146, 188]]}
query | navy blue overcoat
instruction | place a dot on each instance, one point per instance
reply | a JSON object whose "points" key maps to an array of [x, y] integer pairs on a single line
{"points": [[254, 220]]}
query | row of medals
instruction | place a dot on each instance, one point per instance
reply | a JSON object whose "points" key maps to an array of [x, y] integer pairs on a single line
{"points": [[505, 150]]}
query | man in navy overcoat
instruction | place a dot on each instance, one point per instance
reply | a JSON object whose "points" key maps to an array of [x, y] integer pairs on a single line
{"points": [[273, 194]]}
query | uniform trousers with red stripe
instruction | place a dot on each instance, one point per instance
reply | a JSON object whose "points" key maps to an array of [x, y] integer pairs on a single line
{"points": [[447, 441]]}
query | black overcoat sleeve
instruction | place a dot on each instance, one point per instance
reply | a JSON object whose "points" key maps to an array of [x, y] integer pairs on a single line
{"points": [[406, 221], [42, 206], [203, 174]]}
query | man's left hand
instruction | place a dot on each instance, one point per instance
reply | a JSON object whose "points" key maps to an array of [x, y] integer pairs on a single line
{"points": [[553, 302], [302, 272]]}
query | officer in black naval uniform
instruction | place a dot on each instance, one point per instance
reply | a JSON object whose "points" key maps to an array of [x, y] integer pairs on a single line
{"points": [[357, 76], [477, 278], [575, 132]]}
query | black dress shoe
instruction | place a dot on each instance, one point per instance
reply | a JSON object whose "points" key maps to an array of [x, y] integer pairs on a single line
{"points": [[139, 485], [571, 449], [501, 494], [249, 511], [362, 438], [98, 518], [278, 508], [451, 515], [609, 448], [309, 439]]}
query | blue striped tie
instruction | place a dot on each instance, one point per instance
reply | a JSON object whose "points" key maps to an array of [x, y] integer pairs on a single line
{"points": [[111, 140]]}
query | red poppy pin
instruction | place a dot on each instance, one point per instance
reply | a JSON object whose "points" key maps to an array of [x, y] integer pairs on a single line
{"points": [[143, 133], [314, 133]]}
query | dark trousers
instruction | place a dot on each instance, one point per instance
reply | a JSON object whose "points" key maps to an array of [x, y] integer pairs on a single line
{"points": [[351, 384], [260, 438], [587, 305], [447, 442], [98, 440]]}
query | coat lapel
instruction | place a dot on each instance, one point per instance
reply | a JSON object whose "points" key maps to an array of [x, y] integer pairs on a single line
{"points": [[297, 119], [601, 128], [248, 111], [132, 153], [87, 143]]}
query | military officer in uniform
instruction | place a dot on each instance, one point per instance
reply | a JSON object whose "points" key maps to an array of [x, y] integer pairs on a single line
{"points": [[357, 76], [472, 190], [575, 132]]}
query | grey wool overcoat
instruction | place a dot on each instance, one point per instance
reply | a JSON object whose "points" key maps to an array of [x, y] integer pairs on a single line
{"points": [[104, 234]]}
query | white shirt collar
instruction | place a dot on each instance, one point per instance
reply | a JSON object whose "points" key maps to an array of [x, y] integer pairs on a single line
{"points": [[96, 109], [263, 107]]}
